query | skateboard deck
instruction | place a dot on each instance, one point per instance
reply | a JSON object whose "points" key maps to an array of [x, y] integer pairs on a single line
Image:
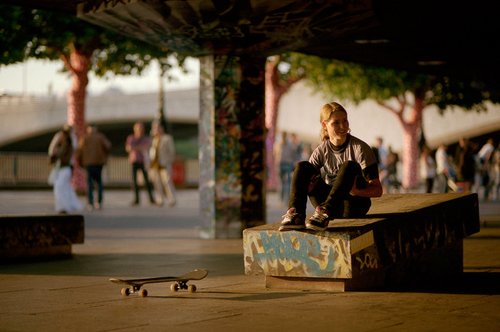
{"points": [[179, 282]]}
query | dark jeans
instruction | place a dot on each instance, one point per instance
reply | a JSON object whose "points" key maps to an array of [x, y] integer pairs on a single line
{"points": [[286, 171], [307, 182], [94, 175], [140, 167], [429, 184]]}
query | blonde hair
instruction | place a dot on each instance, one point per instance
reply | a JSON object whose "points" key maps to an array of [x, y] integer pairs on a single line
{"points": [[326, 112]]}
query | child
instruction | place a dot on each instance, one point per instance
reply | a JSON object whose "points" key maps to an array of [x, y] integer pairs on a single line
{"points": [[339, 178]]}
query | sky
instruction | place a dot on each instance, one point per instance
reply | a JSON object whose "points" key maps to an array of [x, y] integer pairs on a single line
{"points": [[38, 77]]}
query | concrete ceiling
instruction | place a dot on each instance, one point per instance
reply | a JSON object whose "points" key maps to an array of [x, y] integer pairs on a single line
{"points": [[445, 37]]}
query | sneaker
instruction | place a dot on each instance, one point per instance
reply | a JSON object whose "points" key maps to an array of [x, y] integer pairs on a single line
{"points": [[319, 220], [292, 220]]}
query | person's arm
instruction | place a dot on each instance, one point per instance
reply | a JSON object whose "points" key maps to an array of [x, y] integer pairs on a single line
{"points": [[373, 189], [54, 145], [128, 148], [132, 145], [106, 143]]}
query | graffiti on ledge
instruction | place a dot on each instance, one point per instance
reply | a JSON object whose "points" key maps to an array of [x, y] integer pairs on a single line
{"points": [[297, 254]]}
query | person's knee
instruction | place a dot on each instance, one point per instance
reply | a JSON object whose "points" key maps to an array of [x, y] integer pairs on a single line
{"points": [[351, 165], [304, 166]]}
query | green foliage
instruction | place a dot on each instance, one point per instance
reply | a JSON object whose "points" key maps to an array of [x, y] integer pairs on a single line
{"points": [[292, 66], [12, 41], [33, 33], [349, 81]]}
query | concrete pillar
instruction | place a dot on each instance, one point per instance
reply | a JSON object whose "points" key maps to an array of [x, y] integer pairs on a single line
{"points": [[231, 139]]}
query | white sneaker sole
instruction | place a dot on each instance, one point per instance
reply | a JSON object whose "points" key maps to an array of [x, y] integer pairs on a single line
{"points": [[315, 228]]}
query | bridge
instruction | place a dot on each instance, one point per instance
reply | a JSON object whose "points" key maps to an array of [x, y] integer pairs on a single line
{"points": [[28, 116]]}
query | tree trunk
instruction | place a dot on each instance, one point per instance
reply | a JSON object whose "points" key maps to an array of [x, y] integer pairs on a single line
{"points": [[272, 98], [411, 130], [412, 125], [274, 90], [410, 156], [79, 66]]}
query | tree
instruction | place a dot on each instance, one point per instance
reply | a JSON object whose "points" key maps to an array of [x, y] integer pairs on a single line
{"points": [[82, 47], [406, 95], [282, 71]]}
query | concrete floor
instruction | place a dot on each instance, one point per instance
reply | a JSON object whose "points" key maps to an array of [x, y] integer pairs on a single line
{"points": [[123, 241]]}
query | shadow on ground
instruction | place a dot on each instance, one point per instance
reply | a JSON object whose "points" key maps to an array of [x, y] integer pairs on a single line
{"points": [[486, 283], [131, 265]]}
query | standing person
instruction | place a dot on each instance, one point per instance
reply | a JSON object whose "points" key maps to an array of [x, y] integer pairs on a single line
{"points": [[61, 154], [486, 151], [137, 145], [392, 178], [286, 157], [496, 173], [381, 155], [92, 154], [306, 151], [465, 163], [427, 168], [485, 157], [298, 148], [162, 155], [442, 169], [339, 178]]}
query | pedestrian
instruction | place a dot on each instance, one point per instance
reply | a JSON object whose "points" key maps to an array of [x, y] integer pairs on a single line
{"points": [[392, 177], [162, 155], [443, 172], [92, 154], [427, 168], [61, 156], [298, 148], [485, 167], [306, 151], [496, 173], [137, 145], [465, 164], [381, 155], [339, 178], [287, 153]]}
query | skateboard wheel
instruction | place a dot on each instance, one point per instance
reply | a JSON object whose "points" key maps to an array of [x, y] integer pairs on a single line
{"points": [[125, 291], [143, 292], [191, 288], [174, 287]]}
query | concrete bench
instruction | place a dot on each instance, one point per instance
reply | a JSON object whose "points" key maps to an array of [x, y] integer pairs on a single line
{"points": [[405, 238], [31, 237]]}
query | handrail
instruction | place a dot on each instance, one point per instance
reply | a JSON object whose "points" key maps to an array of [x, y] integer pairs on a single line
{"points": [[25, 169]]}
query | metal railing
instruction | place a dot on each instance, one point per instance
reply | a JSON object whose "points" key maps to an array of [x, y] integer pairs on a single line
{"points": [[31, 169]]}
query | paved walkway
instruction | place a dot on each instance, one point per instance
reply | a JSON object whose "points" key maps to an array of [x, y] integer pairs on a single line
{"points": [[129, 241]]}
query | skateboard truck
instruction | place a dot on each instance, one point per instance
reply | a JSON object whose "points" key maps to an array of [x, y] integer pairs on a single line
{"points": [[126, 291], [182, 285]]}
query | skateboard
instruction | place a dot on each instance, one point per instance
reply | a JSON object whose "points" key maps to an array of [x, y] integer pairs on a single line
{"points": [[180, 282]]}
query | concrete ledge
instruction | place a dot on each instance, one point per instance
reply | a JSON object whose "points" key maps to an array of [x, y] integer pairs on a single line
{"points": [[31, 237], [405, 238]]}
